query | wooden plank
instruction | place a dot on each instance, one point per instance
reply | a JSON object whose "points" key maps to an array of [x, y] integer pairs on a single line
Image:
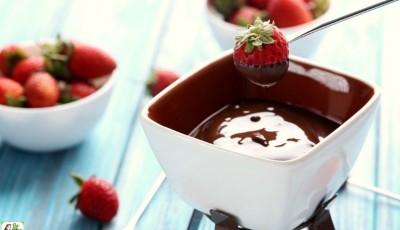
{"points": [[138, 171], [167, 211]]}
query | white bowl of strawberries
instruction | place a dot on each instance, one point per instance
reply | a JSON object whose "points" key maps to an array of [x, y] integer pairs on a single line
{"points": [[226, 17], [52, 94]]}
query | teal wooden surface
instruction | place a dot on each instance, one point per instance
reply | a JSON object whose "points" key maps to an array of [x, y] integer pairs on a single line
{"points": [[174, 34]]}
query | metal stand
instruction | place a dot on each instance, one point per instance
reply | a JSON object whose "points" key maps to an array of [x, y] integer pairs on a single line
{"points": [[321, 220]]}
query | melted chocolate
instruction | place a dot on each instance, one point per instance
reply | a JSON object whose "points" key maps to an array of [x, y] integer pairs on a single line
{"points": [[264, 129], [265, 76], [324, 92]]}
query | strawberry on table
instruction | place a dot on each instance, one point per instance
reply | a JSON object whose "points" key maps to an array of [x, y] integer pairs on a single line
{"points": [[26, 67], [41, 90], [287, 13], [97, 199], [246, 15], [11, 92], [261, 53], [77, 90], [160, 79], [9, 57]]}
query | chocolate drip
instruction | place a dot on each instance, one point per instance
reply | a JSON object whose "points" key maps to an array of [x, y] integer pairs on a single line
{"points": [[263, 76]]}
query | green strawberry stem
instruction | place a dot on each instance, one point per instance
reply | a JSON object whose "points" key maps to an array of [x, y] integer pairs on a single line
{"points": [[15, 102], [151, 80], [66, 96], [79, 181], [255, 35], [13, 59], [57, 57], [77, 178]]}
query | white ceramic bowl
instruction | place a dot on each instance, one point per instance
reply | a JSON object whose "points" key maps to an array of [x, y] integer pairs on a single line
{"points": [[260, 193], [45, 130], [225, 32]]}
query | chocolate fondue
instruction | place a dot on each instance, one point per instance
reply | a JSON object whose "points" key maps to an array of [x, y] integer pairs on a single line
{"points": [[264, 129]]}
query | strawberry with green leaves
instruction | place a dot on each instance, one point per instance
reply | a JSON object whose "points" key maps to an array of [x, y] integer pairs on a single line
{"points": [[73, 60], [9, 56], [41, 90], [97, 199], [11, 92], [160, 79], [261, 53]]}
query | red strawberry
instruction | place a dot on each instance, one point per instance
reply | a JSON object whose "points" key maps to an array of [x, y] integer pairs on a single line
{"points": [[76, 91], [160, 79], [26, 67], [41, 90], [9, 56], [66, 60], [11, 92], [246, 15], [260, 4], [90, 62], [97, 199], [261, 53], [287, 13]]}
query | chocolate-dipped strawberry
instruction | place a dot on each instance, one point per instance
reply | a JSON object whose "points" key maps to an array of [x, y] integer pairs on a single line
{"points": [[261, 53]]}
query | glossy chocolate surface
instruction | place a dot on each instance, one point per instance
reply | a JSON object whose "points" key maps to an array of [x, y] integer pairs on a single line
{"points": [[324, 92], [265, 129]]}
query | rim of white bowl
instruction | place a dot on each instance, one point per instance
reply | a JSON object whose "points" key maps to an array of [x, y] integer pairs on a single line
{"points": [[374, 99], [109, 82], [217, 18]]}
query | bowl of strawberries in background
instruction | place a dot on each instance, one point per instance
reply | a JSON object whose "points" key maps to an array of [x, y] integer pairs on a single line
{"points": [[52, 93], [226, 17]]}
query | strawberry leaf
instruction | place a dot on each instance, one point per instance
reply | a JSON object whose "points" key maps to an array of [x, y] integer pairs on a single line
{"points": [[255, 35], [57, 56], [78, 179], [249, 47], [15, 102]]}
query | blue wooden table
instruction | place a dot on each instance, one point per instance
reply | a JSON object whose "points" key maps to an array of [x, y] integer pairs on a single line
{"points": [[35, 188]]}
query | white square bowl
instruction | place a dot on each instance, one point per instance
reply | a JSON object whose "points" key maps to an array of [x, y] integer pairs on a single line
{"points": [[260, 193]]}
